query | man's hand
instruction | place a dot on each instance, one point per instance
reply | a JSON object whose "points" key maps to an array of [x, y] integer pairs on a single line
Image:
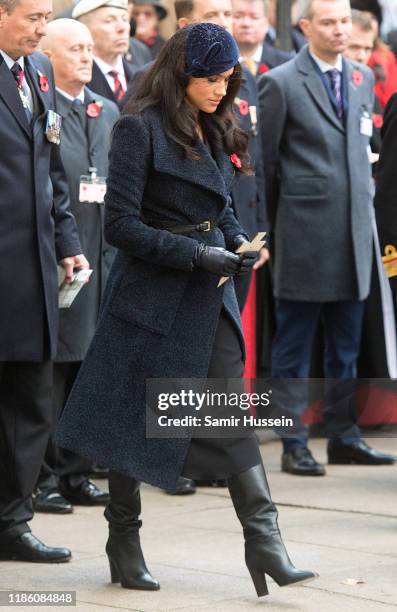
{"points": [[263, 257], [78, 262]]}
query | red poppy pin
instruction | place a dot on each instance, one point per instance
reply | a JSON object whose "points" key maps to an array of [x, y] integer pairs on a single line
{"points": [[44, 84], [236, 161], [262, 68], [378, 120], [244, 107], [357, 77], [94, 109]]}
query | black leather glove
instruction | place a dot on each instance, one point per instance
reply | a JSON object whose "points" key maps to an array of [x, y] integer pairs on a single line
{"points": [[217, 260], [239, 240], [247, 260]]}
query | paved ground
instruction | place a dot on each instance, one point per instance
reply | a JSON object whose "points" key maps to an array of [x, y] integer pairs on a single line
{"points": [[344, 526]]}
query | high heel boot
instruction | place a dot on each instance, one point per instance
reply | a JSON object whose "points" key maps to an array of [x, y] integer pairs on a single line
{"points": [[265, 552], [123, 547]]}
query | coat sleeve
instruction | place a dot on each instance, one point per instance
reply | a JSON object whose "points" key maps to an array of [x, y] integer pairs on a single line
{"points": [[67, 243], [261, 212], [386, 179], [272, 118], [130, 162], [230, 227]]}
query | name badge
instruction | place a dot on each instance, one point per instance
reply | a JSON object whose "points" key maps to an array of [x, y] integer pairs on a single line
{"points": [[366, 126], [53, 127], [92, 188]]}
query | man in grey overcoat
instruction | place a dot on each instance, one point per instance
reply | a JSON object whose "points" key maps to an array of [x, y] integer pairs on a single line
{"points": [[87, 122], [316, 124]]}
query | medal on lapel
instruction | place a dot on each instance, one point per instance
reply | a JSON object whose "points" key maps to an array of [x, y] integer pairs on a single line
{"points": [[24, 99], [53, 127]]}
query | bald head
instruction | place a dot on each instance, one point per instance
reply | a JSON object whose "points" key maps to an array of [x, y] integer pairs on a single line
{"points": [[69, 46]]}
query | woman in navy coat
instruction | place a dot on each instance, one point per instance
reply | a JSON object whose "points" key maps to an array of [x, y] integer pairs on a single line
{"points": [[163, 316]]}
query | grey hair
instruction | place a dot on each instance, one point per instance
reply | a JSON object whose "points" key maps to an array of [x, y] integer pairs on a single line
{"points": [[305, 9], [8, 5]]}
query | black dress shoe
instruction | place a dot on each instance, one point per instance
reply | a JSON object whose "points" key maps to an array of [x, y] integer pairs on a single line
{"points": [[217, 484], [86, 494], [300, 461], [184, 486], [28, 548], [51, 501], [358, 453]]}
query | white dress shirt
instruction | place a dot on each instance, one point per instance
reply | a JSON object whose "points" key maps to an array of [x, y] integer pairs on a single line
{"points": [[106, 68], [21, 61]]}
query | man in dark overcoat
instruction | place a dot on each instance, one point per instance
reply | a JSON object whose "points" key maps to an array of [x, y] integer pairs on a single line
{"points": [[108, 22], [316, 119], [87, 121], [37, 230]]}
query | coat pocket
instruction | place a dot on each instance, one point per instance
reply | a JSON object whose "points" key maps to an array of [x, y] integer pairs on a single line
{"points": [[149, 296], [307, 187]]}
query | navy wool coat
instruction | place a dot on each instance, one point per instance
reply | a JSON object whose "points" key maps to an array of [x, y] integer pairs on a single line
{"points": [[159, 314]]}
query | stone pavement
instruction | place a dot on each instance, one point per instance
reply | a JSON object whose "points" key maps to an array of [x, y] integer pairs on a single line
{"points": [[344, 526]]}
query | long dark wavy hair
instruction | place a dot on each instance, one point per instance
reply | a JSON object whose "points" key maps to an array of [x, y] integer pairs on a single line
{"points": [[164, 85]]}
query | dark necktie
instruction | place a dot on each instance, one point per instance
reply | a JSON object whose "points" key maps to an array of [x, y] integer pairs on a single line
{"points": [[79, 109], [18, 74], [335, 82], [117, 88]]}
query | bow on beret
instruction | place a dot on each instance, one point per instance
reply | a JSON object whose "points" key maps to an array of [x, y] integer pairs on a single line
{"points": [[210, 50]]}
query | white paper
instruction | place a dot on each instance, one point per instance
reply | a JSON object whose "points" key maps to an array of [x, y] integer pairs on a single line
{"points": [[69, 291]]}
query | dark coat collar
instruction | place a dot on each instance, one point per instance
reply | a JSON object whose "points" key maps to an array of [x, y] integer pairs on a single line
{"points": [[213, 173], [99, 82], [9, 92]]}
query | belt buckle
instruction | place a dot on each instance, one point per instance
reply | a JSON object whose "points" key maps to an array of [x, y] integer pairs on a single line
{"points": [[206, 226]]}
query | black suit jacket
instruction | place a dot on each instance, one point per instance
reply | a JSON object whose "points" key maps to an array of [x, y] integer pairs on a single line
{"points": [[36, 225], [271, 57], [386, 182], [99, 84]]}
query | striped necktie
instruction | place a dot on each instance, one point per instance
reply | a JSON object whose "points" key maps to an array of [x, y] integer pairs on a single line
{"points": [[335, 82], [118, 89]]}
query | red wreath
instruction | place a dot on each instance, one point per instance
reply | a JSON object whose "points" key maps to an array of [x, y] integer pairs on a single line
{"points": [[94, 109], [378, 120], [44, 84], [244, 107], [263, 68], [357, 77], [236, 161]]}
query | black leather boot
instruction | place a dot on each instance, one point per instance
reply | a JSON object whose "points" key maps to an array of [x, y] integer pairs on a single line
{"points": [[265, 552], [123, 547]]}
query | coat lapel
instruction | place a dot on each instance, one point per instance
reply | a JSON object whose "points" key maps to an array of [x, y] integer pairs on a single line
{"points": [[43, 98], [9, 93], [354, 98], [94, 135], [316, 89], [100, 85], [210, 173]]}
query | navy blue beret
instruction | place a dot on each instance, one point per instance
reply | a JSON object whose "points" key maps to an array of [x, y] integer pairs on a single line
{"points": [[210, 50]]}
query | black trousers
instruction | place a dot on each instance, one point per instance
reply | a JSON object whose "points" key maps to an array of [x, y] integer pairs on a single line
{"points": [[220, 458], [25, 425], [60, 463], [242, 286]]}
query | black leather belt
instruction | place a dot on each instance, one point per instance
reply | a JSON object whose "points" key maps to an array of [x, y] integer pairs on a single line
{"points": [[204, 226]]}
